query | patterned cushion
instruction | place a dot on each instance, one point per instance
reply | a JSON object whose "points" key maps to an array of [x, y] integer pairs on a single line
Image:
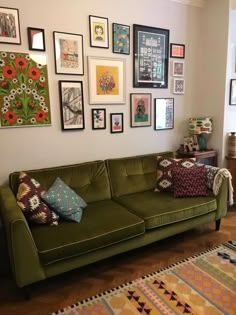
{"points": [[64, 201], [164, 168], [189, 182], [211, 173], [29, 200]]}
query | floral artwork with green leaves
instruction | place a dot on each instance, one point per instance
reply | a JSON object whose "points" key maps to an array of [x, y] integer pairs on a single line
{"points": [[24, 93]]}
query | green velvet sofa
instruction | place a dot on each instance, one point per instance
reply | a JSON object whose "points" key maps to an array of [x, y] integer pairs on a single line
{"points": [[123, 213]]}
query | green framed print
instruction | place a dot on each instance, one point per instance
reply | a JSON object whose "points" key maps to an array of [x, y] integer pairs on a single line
{"points": [[121, 38]]}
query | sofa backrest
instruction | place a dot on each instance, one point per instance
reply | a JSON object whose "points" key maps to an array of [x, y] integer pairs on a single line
{"points": [[133, 174], [89, 180]]}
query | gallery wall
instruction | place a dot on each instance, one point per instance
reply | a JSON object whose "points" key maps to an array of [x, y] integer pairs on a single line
{"points": [[37, 147]]}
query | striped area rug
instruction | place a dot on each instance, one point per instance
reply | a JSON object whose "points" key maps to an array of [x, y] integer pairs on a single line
{"points": [[204, 284]]}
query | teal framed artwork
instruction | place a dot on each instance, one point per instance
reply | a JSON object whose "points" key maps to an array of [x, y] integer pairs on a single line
{"points": [[121, 38]]}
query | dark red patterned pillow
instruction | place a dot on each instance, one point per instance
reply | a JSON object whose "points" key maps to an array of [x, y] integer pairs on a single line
{"points": [[189, 182], [29, 200], [164, 171]]}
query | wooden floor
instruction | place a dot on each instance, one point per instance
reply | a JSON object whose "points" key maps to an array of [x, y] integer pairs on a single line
{"points": [[64, 290]]}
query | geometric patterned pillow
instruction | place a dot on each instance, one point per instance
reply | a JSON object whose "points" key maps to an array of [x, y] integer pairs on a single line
{"points": [[64, 201], [164, 171], [190, 182], [211, 172], [29, 200]]}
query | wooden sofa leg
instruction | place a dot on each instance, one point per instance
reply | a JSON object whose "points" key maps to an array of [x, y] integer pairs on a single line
{"points": [[218, 224], [26, 293]]}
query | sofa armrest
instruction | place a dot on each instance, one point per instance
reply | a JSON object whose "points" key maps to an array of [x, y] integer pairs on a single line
{"points": [[222, 199], [23, 254]]}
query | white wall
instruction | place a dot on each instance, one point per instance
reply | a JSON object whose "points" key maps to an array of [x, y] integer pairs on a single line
{"points": [[36, 147]]}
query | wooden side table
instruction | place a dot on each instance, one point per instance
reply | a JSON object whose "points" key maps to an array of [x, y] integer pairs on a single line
{"points": [[205, 157], [231, 165]]}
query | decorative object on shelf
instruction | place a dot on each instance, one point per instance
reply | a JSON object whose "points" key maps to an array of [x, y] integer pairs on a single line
{"points": [[99, 118], [106, 80], [232, 144], [150, 57], [178, 68], [24, 93], [99, 33], [201, 126], [177, 51], [116, 120], [69, 55], [72, 105], [121, 38], [232, 96], [36, 38], [140, 109], [163, 113], [9, 26], [179, 86]]}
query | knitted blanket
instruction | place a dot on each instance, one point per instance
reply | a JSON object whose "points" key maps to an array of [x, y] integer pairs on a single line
{"points": [[219, 177]]}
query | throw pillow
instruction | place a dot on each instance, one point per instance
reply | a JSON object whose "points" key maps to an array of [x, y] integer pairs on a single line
{"points": [[29, 200], [189, 182], [64, 201], [164, 168]]}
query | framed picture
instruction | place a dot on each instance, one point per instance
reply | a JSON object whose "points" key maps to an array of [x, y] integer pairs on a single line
{"points": [[150, 57], [99, 118], [140, 109], [106, 80], [177, 50], [232, 96], [163, 113], [121, 38], [116, 120], [24, 92], [178, 68], [36, 38], [69, 55], [179, 86], [72, 105], [99, 33], [9, 26]]}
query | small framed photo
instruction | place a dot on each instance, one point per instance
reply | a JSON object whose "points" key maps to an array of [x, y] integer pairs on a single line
{"points": [[177, 51], [99, 118], [179, 86], [178, 68], [116, 120], [69, 54], [232, 96], [163, 113], [99, 33], [121, 38], [106, 80], [140, 109], [36, 38], [72, 105], [9, 26]]}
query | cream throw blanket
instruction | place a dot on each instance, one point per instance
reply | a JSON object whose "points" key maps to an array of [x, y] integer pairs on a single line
{"points": [[220, 175]]}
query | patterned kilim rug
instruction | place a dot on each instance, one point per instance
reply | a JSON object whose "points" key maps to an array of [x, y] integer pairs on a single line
{"points": [[204, 284]]}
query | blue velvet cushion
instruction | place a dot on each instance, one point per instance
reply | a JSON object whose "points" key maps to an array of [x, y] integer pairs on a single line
{"points": [[64, 201]]}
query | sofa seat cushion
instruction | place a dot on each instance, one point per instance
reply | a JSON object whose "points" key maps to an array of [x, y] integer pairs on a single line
{"points": [[103, 223], [158, 209]]}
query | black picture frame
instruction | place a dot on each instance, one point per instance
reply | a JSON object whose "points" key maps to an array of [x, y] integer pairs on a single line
{"points": [[98, 118], [120, 39], [163, 113], [72, 105], [177, 51], [232, 93], [36, 39], [116, 122], [150, 57], [12, 34], [99, 24]]}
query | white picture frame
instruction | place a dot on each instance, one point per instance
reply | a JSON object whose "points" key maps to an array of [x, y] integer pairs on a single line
{"points": [[178, 68], [178, 86]]}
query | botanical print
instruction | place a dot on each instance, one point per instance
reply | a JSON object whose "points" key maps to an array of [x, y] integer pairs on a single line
{"points": [[7, 25], [121, 38], [69, 53], [107, 78], [24, 94]]}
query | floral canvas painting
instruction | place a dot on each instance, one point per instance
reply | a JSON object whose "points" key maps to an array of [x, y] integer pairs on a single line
{"points": [[24, 93]]}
